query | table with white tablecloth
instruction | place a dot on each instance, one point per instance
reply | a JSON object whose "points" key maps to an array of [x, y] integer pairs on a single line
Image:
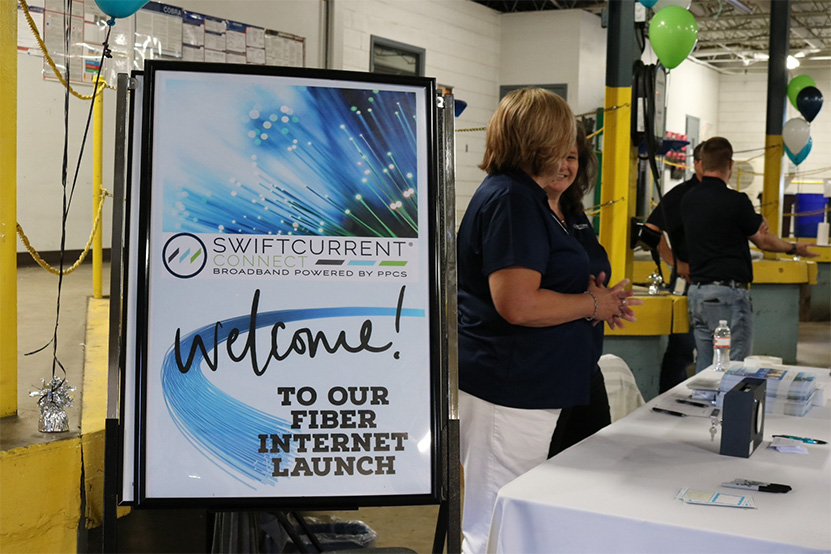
{"points": [[615, 491]]}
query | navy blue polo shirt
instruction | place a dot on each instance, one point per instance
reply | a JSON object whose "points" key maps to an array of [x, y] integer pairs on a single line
{"points": [[583, 231], [508, 223]]}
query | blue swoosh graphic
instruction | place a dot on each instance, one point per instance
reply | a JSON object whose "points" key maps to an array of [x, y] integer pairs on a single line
{"points": [[221, 426]]}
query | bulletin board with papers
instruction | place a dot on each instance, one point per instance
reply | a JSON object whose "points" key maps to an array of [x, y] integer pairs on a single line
{"points": [[156, 31]]}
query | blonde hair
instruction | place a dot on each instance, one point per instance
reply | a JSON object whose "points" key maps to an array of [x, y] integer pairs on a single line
{"points": [[532, 129]]}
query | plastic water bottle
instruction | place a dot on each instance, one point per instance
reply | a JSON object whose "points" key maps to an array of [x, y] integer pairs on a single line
{"points": [[721, 346]]}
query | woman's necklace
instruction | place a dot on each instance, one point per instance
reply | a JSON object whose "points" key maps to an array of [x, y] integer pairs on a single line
{"points": [[558, 220]]}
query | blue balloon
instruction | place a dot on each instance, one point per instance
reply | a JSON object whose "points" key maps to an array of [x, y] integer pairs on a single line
{"points": [[120, 8], [800, 157], [809, 102], [648, 3]]}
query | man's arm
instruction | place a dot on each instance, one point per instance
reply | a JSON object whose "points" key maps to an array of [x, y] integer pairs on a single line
{"points": [[764, 240], [668, 256]]}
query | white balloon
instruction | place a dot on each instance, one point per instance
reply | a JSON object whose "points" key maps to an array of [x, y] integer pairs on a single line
{"points": [[796, 133], [664, 3]]}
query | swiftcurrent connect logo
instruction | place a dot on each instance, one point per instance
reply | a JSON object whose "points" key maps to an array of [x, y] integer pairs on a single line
{"points": [[184, 255]]}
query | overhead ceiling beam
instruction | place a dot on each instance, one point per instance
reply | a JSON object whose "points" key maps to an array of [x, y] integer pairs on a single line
{"points": [[740, 16], [748, 40], [806, 34]]}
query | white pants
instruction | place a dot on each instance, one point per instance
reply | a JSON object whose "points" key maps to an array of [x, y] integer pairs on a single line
{"points": [[498, 444]]}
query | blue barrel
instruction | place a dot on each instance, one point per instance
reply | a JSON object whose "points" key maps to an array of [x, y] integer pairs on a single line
{"points": [[806, 225]]}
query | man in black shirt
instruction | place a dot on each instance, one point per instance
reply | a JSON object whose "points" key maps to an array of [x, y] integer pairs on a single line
{"points": [[667, 217], [718, 222]]}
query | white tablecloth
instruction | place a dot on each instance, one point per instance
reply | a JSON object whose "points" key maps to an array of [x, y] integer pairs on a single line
{"points": [[615, 492]]}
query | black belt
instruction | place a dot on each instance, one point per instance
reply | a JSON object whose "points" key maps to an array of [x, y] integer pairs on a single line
{"points": [[731, 283]]}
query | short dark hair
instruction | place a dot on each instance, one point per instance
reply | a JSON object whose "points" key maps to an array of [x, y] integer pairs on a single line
{"points": [[571, 201], [716, 154]]}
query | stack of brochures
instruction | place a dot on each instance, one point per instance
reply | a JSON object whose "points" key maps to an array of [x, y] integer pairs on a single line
{"points": [[705, 387], [789, 392]]}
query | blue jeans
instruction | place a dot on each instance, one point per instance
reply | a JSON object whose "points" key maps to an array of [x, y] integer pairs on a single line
{"points": [[708, 305]]}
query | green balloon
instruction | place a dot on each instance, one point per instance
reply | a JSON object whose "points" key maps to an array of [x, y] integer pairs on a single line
{"points": [[796, 85], [673, 33]]}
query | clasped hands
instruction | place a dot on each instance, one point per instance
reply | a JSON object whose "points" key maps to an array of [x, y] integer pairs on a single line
{"points": [[614, 305]]}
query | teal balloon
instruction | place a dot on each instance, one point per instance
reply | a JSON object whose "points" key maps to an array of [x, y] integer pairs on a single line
{"points": [[673, 33], [800, 157], [120, 8], [796, 85], [648, 3]]}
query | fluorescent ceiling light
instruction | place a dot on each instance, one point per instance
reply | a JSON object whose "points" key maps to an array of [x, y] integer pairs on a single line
{"points": [[792, 63]]}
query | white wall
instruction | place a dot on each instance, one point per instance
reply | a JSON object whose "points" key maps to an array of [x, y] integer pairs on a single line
{"points": [[591, 85], [40, 132], [556, 47], [40, 128], [462, 44]]}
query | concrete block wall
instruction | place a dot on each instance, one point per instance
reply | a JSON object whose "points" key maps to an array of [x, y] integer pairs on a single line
{"points": [[742, 119], [461, 43]]}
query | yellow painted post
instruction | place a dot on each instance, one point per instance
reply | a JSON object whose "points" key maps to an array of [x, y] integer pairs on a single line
{"points": [[772, 187], [8, 209], [779, 43], [619, 186], [97, 173]]}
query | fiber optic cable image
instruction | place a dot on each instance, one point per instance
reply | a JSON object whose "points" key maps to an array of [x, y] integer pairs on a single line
{"points": [[285, 159]]}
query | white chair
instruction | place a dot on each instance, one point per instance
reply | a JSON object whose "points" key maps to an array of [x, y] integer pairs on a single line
{"points": [[624, 395]]}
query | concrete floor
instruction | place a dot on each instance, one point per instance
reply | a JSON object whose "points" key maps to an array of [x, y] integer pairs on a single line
{"points": [[186, 530]]}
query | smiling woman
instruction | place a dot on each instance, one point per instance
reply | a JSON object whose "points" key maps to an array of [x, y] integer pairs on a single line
{"points": [[528, 303]]}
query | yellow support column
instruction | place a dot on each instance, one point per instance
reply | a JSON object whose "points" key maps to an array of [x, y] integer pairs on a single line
{"points": [[779, 43], [772, 187], [619, 187], [97, 173], [8, 208]]}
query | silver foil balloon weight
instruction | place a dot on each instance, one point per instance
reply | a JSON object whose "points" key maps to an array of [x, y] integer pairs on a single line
{"points": [[655, 281], [54, 398]]}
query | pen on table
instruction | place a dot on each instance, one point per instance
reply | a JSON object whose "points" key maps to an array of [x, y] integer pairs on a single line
{"points": [[670, 412], [692, 403], [757, 486], [803, 439]]}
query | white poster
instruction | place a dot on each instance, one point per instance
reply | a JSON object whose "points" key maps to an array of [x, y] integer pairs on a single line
{"points": [[289, 288], [54, 37], [234, 37], [158, 31]]}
